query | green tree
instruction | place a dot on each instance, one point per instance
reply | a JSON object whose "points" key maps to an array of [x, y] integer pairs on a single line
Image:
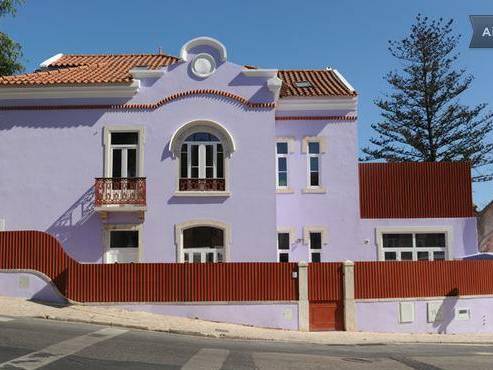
{"points": [[10, 51], [422, 118]]}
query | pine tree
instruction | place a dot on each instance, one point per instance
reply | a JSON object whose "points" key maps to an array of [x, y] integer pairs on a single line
{"points": [[422, 117], [10, 51]]}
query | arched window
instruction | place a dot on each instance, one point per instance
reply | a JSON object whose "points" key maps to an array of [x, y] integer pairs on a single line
{"points": [[202, 157], [203, 244], [203, 149]]}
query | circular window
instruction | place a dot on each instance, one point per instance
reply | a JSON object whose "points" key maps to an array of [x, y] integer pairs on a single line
{"points": [[203, 65]]}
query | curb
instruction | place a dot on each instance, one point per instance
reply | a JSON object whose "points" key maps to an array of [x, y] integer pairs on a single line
{"points": [[250, 338]]}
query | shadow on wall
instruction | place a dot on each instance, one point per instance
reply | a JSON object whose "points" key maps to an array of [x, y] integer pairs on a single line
{"points": [[446, 312], [49, 294], [79, 230]]}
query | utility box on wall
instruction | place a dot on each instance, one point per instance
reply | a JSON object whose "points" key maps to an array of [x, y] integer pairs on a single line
{"points": [[406, 312], [434, 313]]}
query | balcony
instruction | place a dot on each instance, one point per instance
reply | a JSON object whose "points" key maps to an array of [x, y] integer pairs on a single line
{"points": [[202, 184], [120, 194], [202, 187]]}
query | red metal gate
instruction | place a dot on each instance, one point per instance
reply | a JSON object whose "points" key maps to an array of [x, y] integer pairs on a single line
{"points": [[325, 293]]}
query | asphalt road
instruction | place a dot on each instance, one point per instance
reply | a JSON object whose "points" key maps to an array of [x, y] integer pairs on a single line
{"points": [[41, 344]]}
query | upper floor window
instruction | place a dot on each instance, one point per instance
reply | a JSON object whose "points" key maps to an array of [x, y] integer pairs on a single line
{"points": [[419, 246], [123, 154], [313, 164], [202, 163], [282, 164]]}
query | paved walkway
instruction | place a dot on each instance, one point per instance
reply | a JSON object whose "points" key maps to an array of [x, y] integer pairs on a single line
{"points": [[18, 307]]}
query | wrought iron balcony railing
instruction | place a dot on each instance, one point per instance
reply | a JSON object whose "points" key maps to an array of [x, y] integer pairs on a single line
{"points": [[110, 191], [188, 184]]}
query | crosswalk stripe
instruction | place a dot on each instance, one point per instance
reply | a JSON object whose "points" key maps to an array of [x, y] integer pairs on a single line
{"points": [[207, 359], [5, 319], [57, 351]]}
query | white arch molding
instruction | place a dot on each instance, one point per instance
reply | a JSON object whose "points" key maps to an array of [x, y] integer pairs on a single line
{"points": [[204, 40], [208, 126], [179, 228]]}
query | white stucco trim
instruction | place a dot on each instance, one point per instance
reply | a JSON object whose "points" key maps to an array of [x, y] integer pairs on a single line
{"points": [[314, 229], [314, 190], [274, 83], [448, 230], [322, 140], [260, 72], [71, 91], [202, 222], [107, 228], [292, 234], [50, 60], [107, 130], [287, 139], [202, 125], [202, 193], [204, 40], [322, 103], [145, 72], [287, 190]]}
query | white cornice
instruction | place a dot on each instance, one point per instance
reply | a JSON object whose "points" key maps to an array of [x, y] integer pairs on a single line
{"points": [[53, 59], [146, 73], [260, 72], [322, 103], [70, 91]]}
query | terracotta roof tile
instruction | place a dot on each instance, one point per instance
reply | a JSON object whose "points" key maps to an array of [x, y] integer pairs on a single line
{"points": [[323, 83], [114, 68], [90, 69]]}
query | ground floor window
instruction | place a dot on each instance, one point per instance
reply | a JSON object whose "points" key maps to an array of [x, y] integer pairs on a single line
{"points": [[283, 243], [414, 246], [315, 246], [203, 244], [122, 245]]}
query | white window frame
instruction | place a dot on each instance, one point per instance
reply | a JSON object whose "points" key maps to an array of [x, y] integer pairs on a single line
{"points": [[289, 140], [290, 240], [278, 156], [229, 147], [108, 148], [108, 228], [305, 150], [447, 230], [202, 158], [311, 250], [179, 228]]}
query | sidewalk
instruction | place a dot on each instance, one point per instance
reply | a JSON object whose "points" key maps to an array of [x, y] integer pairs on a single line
{"points": [[18, 307]]}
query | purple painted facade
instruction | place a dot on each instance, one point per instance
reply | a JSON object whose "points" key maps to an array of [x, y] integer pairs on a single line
{"points": [[263, 315], [383, 316], [49, 159], [30, 286]]}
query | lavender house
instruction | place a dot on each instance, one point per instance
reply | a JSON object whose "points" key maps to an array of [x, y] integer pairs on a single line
{"points": [[198, 159]]}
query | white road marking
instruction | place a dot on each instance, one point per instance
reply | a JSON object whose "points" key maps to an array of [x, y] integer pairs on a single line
{"points": [[207, 359], [5, 319], [483, 353], [57, 351]]}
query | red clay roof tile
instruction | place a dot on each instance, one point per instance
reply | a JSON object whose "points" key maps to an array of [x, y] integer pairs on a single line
{"points": [[114, 68]]}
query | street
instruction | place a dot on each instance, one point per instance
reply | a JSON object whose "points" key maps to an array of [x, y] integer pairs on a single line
{"points": [[27, 343]]}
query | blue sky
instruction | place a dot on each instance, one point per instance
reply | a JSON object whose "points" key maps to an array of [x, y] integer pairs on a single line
{"points": [[348, 35]]}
